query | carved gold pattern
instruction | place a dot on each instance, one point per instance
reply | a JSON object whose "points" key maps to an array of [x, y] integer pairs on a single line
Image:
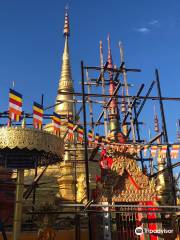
{"points": [[31, 139], [121, 189]]}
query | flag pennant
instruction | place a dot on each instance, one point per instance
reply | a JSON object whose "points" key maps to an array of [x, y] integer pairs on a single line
{"points": [[15, 105], [163, 151], [37, 115], [153, 151], [70, 130], [56, 119], [175, 151], [80, 132], [96, 141], [145, 150], [103, 141], [90, 137]]}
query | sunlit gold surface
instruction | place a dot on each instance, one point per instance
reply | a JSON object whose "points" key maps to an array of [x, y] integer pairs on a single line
{"points": [[65, 85], [30, 139], [163, 183]]}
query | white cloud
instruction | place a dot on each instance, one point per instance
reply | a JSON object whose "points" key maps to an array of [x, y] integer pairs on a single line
{"points": [[142, 30], [154, 22]]}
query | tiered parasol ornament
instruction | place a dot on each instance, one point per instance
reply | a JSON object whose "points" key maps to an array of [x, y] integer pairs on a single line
{"points": [[23, 148]]}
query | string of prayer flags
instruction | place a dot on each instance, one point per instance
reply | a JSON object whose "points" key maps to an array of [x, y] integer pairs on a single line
{"points": [[56, 119], [37, 115], [15, 105]]}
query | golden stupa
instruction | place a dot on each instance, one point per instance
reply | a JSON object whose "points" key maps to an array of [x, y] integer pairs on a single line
{"points": [[64, 181]]}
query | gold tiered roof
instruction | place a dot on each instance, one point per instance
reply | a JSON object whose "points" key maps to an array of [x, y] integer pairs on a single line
{"points": [[65, 82]]}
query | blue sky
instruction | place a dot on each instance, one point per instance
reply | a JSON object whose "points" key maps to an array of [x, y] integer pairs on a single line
{"points": [[32, 43]]}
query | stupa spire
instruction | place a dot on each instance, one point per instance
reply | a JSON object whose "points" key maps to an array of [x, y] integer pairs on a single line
{"points": [[113, 107], [65, 81]]}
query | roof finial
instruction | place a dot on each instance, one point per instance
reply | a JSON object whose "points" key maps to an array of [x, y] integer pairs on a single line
{"points": [[156, 121], [110, 65], [66, 22]]}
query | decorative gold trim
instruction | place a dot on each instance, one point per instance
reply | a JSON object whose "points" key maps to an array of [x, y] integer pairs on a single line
{"points": [[31, 139]]}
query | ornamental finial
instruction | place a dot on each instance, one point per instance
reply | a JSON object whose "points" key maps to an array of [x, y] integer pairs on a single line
{"points": [[66, 23]]}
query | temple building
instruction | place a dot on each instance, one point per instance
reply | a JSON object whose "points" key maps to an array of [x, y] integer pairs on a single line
{"points": [[115, 176]]}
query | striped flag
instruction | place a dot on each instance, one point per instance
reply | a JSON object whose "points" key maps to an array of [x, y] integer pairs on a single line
{"points": [[15, 105], [90, 137], [96, 141], [80, 132], [145, 150], [37, 115], [163, 151], [175, 151], [70, 130], [103, 141], [153, 151], [56, 119]]}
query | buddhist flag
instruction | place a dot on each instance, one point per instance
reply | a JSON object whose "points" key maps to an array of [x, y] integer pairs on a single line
{"points": [[103, 141], [70, 130], [153, 151], [56, 119], [163, 151], [96, 141], [90, 137], [15, 105], [175, 151], [145, 150], [37, 115], [80, 132]]}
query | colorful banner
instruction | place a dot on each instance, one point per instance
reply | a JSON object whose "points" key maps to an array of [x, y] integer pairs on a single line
{"points": [[15, 105], [70, 130], [80, 132], [145, 150], [90, 138], [153, 151], [37, 115], [175, 151], [96, 141], [163, 151], [56, 119]]}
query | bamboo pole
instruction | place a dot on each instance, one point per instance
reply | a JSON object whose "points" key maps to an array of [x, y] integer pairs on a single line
{"points": [[127, 92], [103, 89]]}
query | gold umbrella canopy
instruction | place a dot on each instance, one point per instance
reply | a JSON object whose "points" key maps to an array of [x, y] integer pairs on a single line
{"points": [[23, 147]]}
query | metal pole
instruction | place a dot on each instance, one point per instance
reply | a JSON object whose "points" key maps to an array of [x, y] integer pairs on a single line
{"points": [[18, 205], [139, 138], [85, 143], [165, 136], [90, 104]]}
